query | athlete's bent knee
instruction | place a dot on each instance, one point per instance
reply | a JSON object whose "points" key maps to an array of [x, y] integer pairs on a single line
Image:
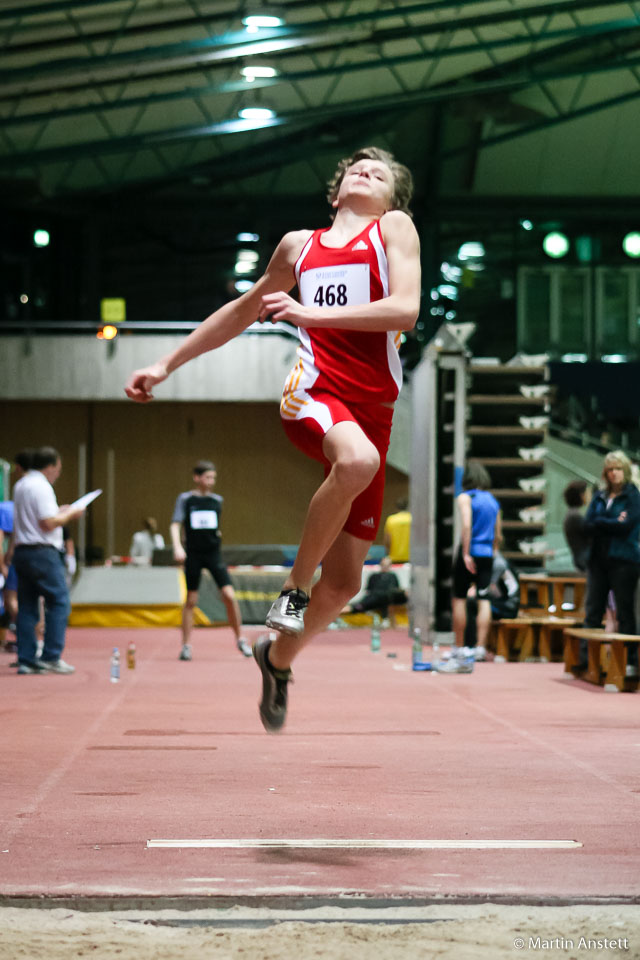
{"points": [[356, 473]]}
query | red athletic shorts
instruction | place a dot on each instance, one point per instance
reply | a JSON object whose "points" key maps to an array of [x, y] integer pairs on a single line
{"points": [[307, 415]]}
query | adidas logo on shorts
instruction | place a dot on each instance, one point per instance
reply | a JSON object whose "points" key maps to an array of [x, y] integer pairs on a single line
{"points": [[369, 522]]}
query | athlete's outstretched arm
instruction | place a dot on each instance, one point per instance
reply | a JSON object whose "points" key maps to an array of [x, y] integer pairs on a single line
{"points": [[226, 323], [398, 311]]}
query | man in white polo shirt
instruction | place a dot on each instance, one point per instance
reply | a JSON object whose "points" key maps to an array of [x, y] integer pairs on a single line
{"points": [[39, 562]]}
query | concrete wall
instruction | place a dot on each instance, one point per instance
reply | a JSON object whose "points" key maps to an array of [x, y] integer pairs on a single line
{"points": [[251, 368], [265, 481]]}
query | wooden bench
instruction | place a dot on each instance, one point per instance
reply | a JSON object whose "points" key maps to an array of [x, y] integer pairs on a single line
{"points": [[606, 658], [550, 590], [513, 634], [551, 638], [526, 638]]}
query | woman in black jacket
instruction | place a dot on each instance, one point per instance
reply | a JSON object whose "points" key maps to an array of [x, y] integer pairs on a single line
{"points": [[613, 520]]}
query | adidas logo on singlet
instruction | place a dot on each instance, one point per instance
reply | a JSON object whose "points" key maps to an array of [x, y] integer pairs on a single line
{"points": [[369, 522], [360, 245]]}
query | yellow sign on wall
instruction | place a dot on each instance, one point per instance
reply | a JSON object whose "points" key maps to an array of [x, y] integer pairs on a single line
{"points": [[113, 310]]}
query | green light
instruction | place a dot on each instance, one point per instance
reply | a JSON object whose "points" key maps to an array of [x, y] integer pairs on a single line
{"points": [[41, 238], [631, 244], [555, 245]]}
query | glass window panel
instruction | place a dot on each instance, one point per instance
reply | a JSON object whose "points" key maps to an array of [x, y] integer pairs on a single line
{"points": [[613, 319], [573, 325], [535, 329]]}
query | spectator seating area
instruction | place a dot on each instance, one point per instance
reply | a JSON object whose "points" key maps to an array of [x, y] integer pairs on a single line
{"points": [[548, 628]]}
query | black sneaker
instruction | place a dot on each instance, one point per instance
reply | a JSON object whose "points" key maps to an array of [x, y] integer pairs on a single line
{"points": [[273, 706], [287, 612], [33, 666]]}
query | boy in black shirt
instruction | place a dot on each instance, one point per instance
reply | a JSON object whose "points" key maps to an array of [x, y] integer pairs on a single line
{"points": [[196, 524], [382, 590]]}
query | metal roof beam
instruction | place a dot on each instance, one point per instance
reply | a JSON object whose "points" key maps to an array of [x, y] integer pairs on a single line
{"points": [[55, 6], [403, 101], [244, 45], [520, 70], [545, 124], [577, 35]]}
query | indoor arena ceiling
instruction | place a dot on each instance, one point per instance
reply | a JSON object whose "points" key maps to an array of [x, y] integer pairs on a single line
{"points": [[102, 95]]}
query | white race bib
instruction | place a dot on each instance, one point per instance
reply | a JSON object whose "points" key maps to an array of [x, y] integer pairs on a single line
{"points": [[204, 520], [346, 285]]}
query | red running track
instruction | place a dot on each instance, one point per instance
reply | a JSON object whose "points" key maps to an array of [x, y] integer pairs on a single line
{"points": [[92, 771]]}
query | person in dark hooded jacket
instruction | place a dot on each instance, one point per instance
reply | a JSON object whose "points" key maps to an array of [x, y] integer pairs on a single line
{"points": [[613, 521]]}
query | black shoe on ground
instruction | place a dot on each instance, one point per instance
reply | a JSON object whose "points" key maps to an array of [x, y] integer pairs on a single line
{"points": [[33, 666], [273, 706], [287, 612]]}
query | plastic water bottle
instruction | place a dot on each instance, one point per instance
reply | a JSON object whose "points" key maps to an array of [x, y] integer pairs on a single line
{"points": [[416, 648], [435, 651], [375, 633], [131, 656], [115, 665]]}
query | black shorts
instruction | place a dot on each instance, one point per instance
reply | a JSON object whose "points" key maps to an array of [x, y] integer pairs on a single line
{"points": [[462, 578], [211, 561]]}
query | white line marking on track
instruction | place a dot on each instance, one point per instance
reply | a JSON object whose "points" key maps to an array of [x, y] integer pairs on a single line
{"points": [[372, 844]]}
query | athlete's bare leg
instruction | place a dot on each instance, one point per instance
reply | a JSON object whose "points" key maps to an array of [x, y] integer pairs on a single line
{"points": [[483, 621], [234, 616], [187, 615], [459, 608], [354, 463], [341, 579]]}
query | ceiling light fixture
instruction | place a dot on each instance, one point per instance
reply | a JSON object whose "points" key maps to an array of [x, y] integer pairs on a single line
{"points": [[258, 72], [261, 21], [256, 113]]}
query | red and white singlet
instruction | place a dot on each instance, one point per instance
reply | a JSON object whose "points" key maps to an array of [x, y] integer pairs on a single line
{"points": [[358, 366]]}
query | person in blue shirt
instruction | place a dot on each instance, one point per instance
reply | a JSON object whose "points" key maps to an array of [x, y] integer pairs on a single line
{"points": [[480, 535], [613, 521]]}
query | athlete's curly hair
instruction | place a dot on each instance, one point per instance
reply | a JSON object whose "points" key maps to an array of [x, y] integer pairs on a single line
{"points": [[402, 179]]}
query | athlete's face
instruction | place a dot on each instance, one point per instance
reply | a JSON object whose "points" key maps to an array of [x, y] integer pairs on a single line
{"points": [[370, 180], [205, 481]]}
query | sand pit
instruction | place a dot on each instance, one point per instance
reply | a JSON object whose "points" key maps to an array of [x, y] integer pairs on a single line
{"points": [[477, 932]]}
